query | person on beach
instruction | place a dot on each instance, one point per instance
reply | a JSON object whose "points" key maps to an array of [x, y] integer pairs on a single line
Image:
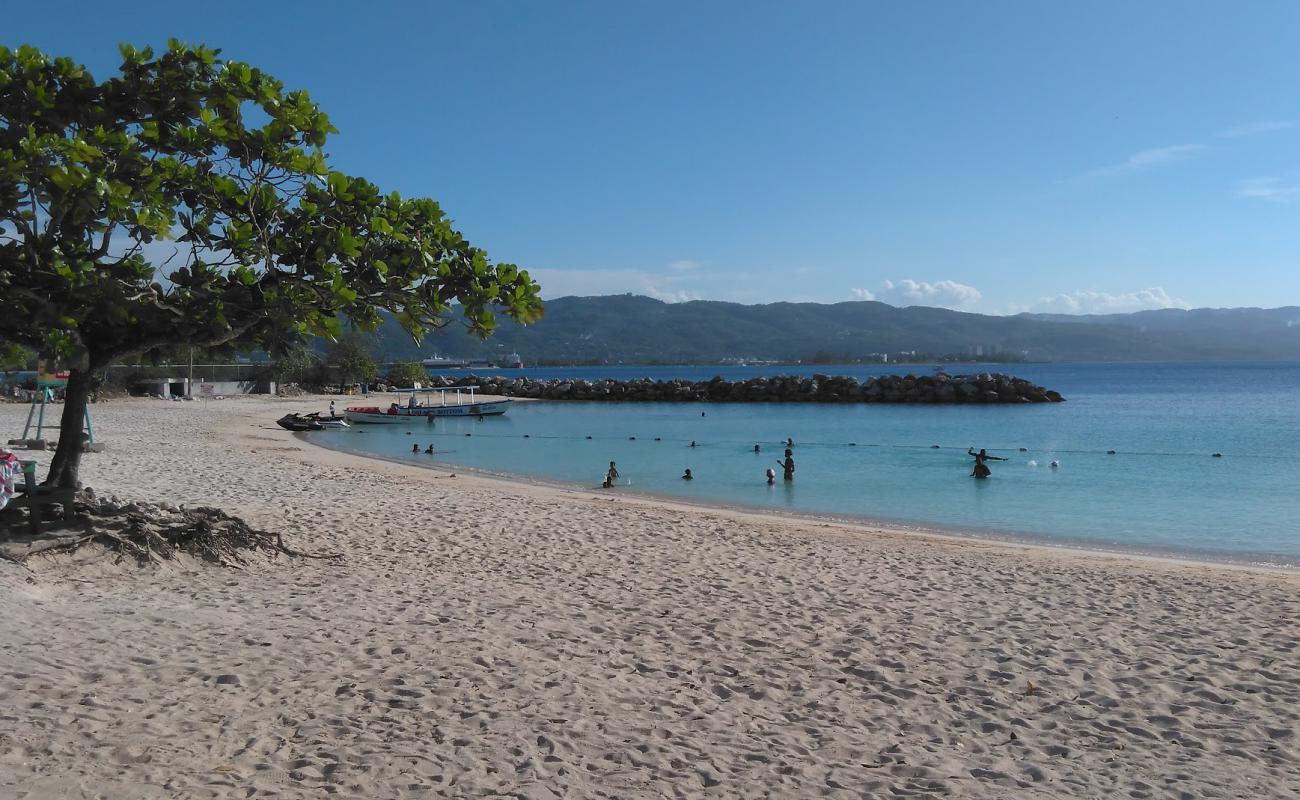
{"points": [[332, 414], [771, 476], [787, 465], [981, 469], [687, 476]]}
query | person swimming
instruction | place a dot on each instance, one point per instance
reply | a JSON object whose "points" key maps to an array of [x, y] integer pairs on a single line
{"points": [[981, 469], [789, 442], [428, 451], [415, 448], [757, 448], [771, 476], [687, 476], [692, 444]]}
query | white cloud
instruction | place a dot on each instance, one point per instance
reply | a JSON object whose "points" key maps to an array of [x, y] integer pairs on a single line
{"points": [[1256, 128], [1144, 160], [907, 292], [1272, 189], [1091, 302], [684, 266]]}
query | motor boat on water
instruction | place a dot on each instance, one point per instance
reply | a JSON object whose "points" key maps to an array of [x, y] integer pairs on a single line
{"points": [[464, 404], [374, 415]]}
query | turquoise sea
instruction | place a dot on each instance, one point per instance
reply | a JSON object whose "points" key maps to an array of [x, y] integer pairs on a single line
{"points": [[1162, 491]]}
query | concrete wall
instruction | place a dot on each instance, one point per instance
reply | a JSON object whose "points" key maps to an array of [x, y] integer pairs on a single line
{"points": [[179, 387]]}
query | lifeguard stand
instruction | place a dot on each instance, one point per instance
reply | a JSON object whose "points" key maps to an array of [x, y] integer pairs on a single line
{"points": [[44, 394]]}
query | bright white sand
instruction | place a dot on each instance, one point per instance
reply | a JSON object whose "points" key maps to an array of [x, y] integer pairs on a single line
{"points": [[489, 639]]}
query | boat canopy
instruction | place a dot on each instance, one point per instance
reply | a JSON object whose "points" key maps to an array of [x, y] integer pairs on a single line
{"points": [[442, 392]]}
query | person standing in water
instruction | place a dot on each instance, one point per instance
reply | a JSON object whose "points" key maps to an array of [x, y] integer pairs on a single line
{"points": [[611, 476], [687, 476], [787, 465], [981, 469], [771, 476]]}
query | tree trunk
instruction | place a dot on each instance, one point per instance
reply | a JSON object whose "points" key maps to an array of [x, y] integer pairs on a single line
{"points": [[67, 459]]}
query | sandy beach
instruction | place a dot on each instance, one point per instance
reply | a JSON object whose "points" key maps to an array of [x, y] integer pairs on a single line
{"points": [[484, 638]]}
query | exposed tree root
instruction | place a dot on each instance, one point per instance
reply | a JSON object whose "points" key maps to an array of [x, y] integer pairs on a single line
{"points": [[151, 533]]}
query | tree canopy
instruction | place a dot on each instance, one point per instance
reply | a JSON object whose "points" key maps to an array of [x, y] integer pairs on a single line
{"points": [[188, 200], [350, 359]]}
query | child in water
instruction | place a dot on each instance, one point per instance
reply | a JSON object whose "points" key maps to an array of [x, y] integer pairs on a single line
{"points": [[687, 476]]}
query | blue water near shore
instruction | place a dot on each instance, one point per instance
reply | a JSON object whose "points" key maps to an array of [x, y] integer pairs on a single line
{"points": [[1162, 491]]}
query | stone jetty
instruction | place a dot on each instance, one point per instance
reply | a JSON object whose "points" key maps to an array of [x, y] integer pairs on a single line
{"points": [[981, 388]]}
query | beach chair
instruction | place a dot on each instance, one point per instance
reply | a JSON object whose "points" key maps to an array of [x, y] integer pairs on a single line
{"points": [[32, 496]]}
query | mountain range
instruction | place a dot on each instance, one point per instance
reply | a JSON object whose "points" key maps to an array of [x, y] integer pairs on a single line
{"points": [[635, 329]]}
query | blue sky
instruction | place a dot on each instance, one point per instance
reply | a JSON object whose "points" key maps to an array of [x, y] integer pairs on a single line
{"points": [[993, 157]]}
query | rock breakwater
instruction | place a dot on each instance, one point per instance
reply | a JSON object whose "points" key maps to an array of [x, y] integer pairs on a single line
{"points": [[983, 388]]}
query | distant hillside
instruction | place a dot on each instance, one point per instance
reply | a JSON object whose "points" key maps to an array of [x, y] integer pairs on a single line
{"points": [[634, 329]]}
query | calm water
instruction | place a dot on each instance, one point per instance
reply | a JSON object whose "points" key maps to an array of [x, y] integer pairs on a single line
{"points": [[1162, 491]]}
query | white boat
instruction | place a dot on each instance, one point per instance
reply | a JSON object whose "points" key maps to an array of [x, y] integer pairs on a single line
{"points": [[439, 362], [463, 404], [374, 415]]}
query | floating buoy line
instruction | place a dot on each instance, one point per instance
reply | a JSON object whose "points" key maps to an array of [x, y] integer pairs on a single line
{"points": [[747, 444]]}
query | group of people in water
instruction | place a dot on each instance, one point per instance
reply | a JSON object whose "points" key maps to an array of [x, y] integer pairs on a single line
{"points": [[786, 463]]}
